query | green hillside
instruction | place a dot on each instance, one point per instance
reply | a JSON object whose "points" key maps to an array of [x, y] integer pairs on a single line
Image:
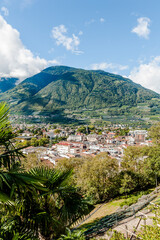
{"points": [[7, 83], [60, 87]]}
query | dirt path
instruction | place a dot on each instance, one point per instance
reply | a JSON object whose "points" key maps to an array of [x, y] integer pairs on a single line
{"points": [[123, 220], [127, 226]]}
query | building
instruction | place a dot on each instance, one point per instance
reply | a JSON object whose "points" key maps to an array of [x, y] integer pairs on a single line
{"points": [[139, 135], [75, 138], [73, 148]]}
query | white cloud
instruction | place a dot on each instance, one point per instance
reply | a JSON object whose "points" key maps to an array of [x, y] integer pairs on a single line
{"points": [[91, 21], [80, 33], [16, 60], [142, 29], [5, 11], [105, 65], [53, 62], [59, 33], [148, 74], [102, 20]]}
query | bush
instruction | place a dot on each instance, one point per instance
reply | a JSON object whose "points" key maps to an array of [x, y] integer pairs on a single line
{"points": [[134, 198]]}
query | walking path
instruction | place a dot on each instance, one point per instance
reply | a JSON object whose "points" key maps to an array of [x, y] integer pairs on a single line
{"points": [[120, 217], [132, 225]]}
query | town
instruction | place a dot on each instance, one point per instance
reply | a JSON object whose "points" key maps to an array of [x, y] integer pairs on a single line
{"points": [[57, 142]]}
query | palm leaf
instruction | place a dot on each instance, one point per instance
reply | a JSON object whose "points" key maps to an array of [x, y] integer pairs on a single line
{"points": [[4, 110], [5, 199]]}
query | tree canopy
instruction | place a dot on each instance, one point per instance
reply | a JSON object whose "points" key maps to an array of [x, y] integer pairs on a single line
{"points": [[35, 204]]}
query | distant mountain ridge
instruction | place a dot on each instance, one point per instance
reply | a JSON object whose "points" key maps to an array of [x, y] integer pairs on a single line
{"points": [[7, 84], [62, 87]]}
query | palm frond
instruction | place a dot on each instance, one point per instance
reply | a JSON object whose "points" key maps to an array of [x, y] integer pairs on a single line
{"points": [[4, 110], [5, 199], [55, 180]]}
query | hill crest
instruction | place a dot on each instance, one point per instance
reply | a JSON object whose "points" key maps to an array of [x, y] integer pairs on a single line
{"points": [[62, 87]]}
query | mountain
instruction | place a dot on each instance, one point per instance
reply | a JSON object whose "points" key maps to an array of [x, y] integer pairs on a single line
{"points": [[7, 83], [61, 87]]}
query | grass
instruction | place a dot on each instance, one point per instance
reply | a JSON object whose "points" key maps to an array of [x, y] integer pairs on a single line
{"points": [[111, 207], [106, 209], [134, 198]]}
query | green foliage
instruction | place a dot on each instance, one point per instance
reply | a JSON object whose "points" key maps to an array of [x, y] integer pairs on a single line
{"points": [[145, 161], [75, 235], [7, 83], [33, 142], [133, 198], [95, 176], [57, 131], [154, 133], [82, 129], [71, 88], [127, 184], [132, 158], [58, 139], [122, 132], [9, 157], [37, 204], [150, 233], [147, 233], [152, 162], [118, 236]]}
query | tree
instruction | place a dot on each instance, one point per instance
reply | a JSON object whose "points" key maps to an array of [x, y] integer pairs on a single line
{"points": [[37, 203], [75, 235], [96, 176], [154, 133], [57, 131], [152, 163], [15, 185], [122, 131], [82, 129], [133, 158], [34, 142], [128, 183], [63, 205], [43, 141]]}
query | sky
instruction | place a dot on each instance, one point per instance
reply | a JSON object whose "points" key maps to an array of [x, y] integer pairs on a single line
{"points": [[117, 36]]}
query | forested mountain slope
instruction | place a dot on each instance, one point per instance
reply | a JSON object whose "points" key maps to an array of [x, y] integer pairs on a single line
{"points": [[62, 87], [7, 84]]}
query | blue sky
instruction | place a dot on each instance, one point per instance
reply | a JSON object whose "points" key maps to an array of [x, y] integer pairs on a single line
{"points": [[118, 36]]}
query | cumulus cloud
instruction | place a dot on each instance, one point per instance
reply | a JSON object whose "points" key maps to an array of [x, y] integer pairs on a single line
{"points": [[148, 74], [105, 66], [142, 29], [59, 33], [16, 60], [5, 11]]}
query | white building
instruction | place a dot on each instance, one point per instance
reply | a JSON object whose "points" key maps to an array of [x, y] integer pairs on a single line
{"points": [[63, 147], [92, 137], [69, 147], [76, 138]]}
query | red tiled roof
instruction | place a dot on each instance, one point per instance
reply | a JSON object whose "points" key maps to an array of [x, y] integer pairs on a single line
{"points": [[64, 143], [111, 133]]}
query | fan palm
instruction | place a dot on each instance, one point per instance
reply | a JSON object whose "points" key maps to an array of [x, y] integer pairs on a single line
{"points": [[15, 184], [35, 204], [62, 204], [75, 235]]}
